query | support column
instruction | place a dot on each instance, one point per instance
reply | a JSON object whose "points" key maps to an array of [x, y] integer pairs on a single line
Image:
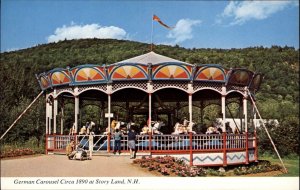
{"points": [[223, 107], [223, 102], [55, 116], [50, 117], [109, 130], [150, 91], [62, 120], [76, 113], [109, 110], [241, 115], [245, 114], [149, 112], [190, 91], [47, 116], [246, 127], [190, 108]]}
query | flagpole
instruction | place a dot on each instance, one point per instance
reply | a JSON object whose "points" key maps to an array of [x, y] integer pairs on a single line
{"points": [[151, 47]]}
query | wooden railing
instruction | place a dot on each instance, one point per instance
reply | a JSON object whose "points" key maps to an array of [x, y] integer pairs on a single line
{"points": [[157, 143]]}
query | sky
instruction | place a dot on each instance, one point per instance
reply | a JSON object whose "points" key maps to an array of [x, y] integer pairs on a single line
{"points": [[194, 24]]}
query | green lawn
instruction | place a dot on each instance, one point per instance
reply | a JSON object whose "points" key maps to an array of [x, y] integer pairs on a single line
{"points": [[292, 165]]}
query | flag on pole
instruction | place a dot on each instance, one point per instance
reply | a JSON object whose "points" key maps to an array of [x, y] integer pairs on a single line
{"points": [[160, 22]]}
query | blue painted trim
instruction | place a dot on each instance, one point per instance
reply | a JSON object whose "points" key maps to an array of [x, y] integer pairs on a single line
{"points": [[88, 83], [236, 156], [87, 66], [208, 157]]}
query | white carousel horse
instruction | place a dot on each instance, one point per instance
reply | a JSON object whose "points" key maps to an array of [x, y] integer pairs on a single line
{"points": [[89, 127], [156, 127], [190, 128], [177, 128], [182, 129], [185, 122]]}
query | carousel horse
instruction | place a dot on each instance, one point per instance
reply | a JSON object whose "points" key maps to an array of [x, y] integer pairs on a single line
{"points": [[212, 130], [156, 127], [177, 129], [190, 128], [89, 127], [185, 122]]}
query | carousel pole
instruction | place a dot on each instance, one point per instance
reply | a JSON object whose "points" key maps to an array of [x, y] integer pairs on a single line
{"points": [[253, 102]]}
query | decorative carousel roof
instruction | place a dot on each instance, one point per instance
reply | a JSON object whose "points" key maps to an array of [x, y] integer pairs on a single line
{"points": [[149, 66]]}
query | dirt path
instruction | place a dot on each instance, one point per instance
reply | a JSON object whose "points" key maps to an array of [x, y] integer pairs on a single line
{"points": [[60, 166]]}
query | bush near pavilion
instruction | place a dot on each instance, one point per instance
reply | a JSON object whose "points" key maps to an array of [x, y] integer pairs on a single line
{"points": [[169, 165]]}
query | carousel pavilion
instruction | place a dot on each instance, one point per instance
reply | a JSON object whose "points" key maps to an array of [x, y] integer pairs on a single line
{"points": [[152, 85]]}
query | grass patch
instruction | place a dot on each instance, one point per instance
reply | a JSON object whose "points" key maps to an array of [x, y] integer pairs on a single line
{"points": [[16, 149], [292, 165]]}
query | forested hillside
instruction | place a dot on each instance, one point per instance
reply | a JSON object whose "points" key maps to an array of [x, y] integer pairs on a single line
{"points": [[278, 97]]}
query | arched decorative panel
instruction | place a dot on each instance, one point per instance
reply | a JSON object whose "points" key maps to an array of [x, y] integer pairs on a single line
{"points": [[59, 77], [88, 75], [171, 71], [128, 72], [210, 73]]}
